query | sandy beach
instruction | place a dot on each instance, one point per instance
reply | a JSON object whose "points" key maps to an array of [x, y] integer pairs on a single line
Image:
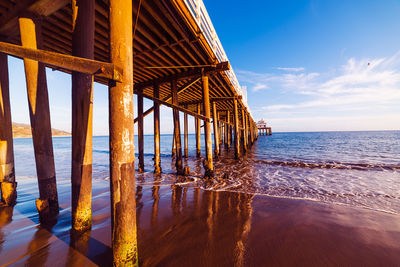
{"points": [[187, 226]]}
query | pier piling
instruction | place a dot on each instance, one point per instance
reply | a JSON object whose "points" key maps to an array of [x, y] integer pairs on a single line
{"points": [[177, 129], [157, 158], [39, 111], [186, 134], [82, 117], [198, 132], [216, 130], [140, 130], [7, 171], [122, 147], [236, 130], [173, 140], [227, 130], [244, 130], [208, 164]]}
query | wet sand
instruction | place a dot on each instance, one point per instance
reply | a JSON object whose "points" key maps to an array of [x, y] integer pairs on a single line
{"points": [[187, 226]]}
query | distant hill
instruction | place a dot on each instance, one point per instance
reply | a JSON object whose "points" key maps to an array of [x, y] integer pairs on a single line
{"points": [[21, 130]]}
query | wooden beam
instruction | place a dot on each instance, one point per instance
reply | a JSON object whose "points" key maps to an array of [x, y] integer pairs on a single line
{"points": [[72, 63], [191, 113], [9, 20], [223, 66], [212, 99], [169, 98]]}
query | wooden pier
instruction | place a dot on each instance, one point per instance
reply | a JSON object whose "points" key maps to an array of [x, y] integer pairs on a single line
{"points": [[166, 51], [263, 129]]}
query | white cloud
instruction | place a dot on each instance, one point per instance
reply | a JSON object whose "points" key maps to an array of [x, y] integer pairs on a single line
{"points": [[349, 95], [291, 69], [360, 82], [259, 81], [259, 86]]}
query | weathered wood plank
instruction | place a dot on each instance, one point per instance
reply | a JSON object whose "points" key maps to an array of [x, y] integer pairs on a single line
{"points": [[72, 63]]}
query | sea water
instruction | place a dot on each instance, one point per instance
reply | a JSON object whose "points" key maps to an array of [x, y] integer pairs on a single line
{"points": [[353, 168]]}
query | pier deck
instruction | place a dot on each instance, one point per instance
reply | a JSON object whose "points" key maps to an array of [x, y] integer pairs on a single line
{"points": [[166, 51]]}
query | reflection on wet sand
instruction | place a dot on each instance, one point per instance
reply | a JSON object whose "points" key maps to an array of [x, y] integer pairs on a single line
{"points": [[188, 226], [6, 214], [198, 229], [78, 242], [41, 238]]}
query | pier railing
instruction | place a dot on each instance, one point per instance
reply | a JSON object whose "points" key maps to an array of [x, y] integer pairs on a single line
{"points": [[200, 14]]}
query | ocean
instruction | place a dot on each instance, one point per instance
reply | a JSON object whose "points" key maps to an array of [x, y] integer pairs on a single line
{"points": [[360, 169]]}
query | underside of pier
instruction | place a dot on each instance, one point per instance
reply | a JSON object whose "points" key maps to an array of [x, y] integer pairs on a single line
{"points": [[166, 51]]}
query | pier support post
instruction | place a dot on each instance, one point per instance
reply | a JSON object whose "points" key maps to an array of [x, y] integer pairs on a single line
{"points": [[82, 117], [244, 130], [219, 130], [186, 134], [173, 139], [216, 130], [208, 163], [177, 129], [251, 129], [236, 130], [39, 111], [247, 130], [7, 173], [140, 131], [157, 158], [227, 130], [122, 147], [230, 134], [224, 133], [198, 133]]}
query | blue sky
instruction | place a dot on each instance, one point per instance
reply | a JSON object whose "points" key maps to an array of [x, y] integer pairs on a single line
{"points": [[308, 66], [305, 63]]}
